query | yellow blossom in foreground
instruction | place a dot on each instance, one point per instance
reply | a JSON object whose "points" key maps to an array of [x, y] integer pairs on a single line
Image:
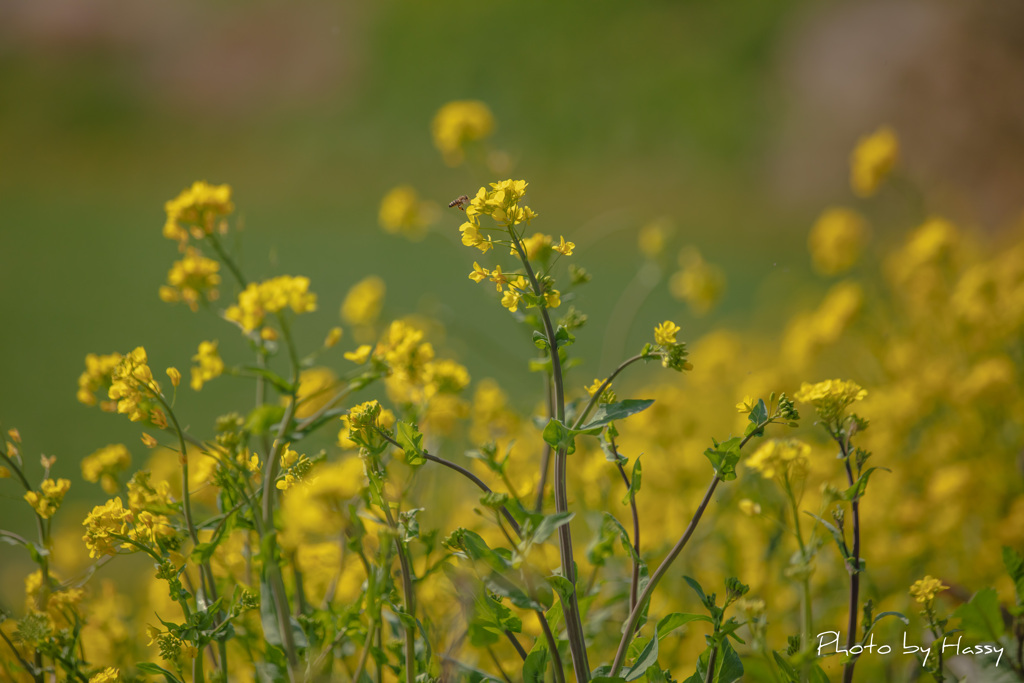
{"points": [[480, 274], [786, 457], [872, 159], [96, 379], [363, 303], [471, 237], [175, 376], [836, 240], [665, 333], [104, 520], [457, 123], [197, 210], [46, 501], [105, 464], [271, 296], [924, 590], [208, 364], [831, 397], [191, 280], [746, 405], [401, 211], [108, 675], [594, 386]]}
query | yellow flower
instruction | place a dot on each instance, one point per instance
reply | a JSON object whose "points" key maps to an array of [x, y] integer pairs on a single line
{"points": [[132, 385], [564, 248], [924, 590], [872, 159], [5, 473], [14, 435], [749, 507], [552, 299], [787, 457], [510, 300], [836, 240], [104, 520], [333, 337], [699, 284], [479, 274], [457, 123], [48, 499], [197, 209], [148, 441], [746, 405], [315, 385], [271, 296], [364, 301], [360, 355], [537, 246], [401, 211], [471, 237], [595, 385], [209, 364], [191, 280], [498, 278], [174, 375], [105, 464], [108, 675], [97, 379], [665, 333], [831, 397]]}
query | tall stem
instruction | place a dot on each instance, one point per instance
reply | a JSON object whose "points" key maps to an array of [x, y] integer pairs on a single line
{"points": [[851, 636]]}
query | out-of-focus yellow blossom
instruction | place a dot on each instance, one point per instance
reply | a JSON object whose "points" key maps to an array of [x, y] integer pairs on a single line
{"points": [[991, 379], [192, 279], [197, 210], [208, 364], [749, 507], [785, 457], [363, 303], [151, 529], [836, 240], [48, 599], [665, 333], [149, 441], [699, 283], [808, 333], [402, 211], [457, 123], [314, 392], [14, 435], [174, 375], [746, 405], [271, 296], [653, 237], [104, 520], [317, 508], [143, 494], [552, 299], [403, 349], [132, 384], [831, 397], [493, 418], [537, 247], [333, 337], [924, 590], [105, 464], [97, 379], [360, 355], [872, 159], [447, 376], [108, 675], [595, 385], [5, 473], [931, 246], [46, 501]]}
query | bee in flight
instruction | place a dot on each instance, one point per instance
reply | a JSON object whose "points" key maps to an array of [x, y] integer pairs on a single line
{"points": [[459, 202]]}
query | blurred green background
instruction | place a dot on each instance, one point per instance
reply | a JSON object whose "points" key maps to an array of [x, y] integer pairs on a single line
{"points": [[733, 120]]}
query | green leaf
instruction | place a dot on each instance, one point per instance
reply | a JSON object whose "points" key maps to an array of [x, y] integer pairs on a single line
{"points": [[535, 668], [204, 551], [547, 525], [759, 414], [279, 382], [648, 657], [898, 615], [696, 589], [499, 584], [559, 437], [787, 668], [980, 617], [634, 484], [410, 439], [540, 340], [818, 674], [724, 456], [263, 417], [613, 524], [1014, 564], [268, 617], [858, 488], [563, 587], [673, 621], [563, 337], [606, 412], [837, 535], [151, 668]]}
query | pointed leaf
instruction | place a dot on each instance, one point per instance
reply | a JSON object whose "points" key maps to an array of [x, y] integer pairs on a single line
{"points": [[606, 412]]}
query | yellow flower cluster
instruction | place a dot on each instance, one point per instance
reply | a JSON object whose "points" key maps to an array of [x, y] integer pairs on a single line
{"points": [[294, 466], [96, 380], [808, 333], [872, 159], [665, 333], [104, 520], [457, 123], [105, 464], [55, 602], [780, 457], [924, 590], [143, 495], [131, 385], [402, 211], [209, 364], [513, 287], [108, 675], [197, 210], [831, 397], [46, 501], [192, 279], [698, 283], [363, 302], [836, 240], [271, 296]]}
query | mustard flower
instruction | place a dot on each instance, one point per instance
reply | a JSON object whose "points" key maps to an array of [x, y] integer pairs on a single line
{"points": [[105, 464], [104, 520], [47, 597], [360, 355], [836, 240], [363, 302], [132, 384], [108, 675], [333, 337], [698, 283], [924, 590], [191, 280], [457, 123], [471, 237], [480, 274], [831, 397], [197, 209], [174, 375], [208, 364], [97, 379], [653, 236], [537, 246], [872, 159], [271, 296], [401, 211], [446, 377], [564, 248], [665, 333], [315, 385], [144, 495], [785, 457], [552, 299], [46, 501]]}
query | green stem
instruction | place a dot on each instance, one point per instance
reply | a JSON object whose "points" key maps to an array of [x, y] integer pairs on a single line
{"points": [[805, 581], [214, 241], [410, 596]]}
